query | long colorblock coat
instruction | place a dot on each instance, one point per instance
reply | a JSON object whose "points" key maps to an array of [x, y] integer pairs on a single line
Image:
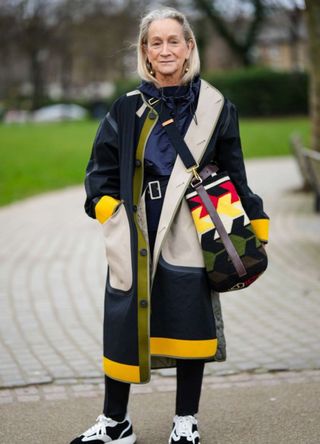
{"points": [[160, 308]]}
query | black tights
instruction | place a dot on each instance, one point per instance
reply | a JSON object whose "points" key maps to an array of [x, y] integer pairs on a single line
{"points": [[189, 382]]}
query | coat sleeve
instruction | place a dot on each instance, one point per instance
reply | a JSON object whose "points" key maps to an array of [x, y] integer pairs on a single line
{"points": [[102, 181], [229, 157]]}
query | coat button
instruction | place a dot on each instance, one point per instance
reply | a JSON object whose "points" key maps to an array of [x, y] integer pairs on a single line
{"points": [[143, 303], [143, 252], [138, 163], [152, 115]]}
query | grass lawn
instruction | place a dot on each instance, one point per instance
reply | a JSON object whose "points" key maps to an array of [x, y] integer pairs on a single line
{"points": [[270, 137], [42, 157]]}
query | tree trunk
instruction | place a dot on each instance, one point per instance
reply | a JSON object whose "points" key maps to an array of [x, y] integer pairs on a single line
{"points": [[313, 21], [66, 72], [36, 79], [295, 17]]}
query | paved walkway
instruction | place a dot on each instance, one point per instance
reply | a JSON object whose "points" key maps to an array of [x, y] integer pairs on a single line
{"points": [[239, 409], [52, 278]]}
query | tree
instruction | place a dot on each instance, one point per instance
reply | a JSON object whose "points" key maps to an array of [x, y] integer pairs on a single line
{"points": [[313, 23], [64, 43], [33, 36], [28, 35], [240, 43]]}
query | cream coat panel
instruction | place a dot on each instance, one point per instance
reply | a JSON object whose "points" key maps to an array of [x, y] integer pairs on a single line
{"points": [[182, 247], [116, 232]]}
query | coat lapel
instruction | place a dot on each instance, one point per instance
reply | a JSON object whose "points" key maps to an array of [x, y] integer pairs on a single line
{"points": [[209, 107]]}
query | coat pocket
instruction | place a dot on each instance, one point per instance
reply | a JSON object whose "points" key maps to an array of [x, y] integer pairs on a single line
{"points": [[116, 232]]}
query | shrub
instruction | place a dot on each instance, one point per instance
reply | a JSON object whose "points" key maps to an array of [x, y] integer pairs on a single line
{"points": [[261, 92]]}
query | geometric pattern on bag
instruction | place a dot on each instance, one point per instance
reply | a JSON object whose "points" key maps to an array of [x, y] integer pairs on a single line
{"points": [[221, 272]]}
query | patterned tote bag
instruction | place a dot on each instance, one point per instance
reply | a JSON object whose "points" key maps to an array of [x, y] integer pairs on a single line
{"points": [[222, 273]]}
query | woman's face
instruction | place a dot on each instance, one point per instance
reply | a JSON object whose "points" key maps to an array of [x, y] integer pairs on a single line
{"points": [[167, 51]]}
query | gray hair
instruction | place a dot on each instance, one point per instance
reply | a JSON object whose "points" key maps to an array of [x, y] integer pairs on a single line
{"points": [[160, 14]]}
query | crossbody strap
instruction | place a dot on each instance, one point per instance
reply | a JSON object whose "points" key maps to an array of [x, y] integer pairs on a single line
{"points": [[191, 165], [176, 139]]}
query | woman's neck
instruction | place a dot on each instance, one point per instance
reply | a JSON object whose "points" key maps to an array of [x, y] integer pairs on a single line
{"points": [[165, 84], [164, 81]]}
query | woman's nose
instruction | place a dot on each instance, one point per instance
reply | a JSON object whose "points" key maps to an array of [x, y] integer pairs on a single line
{"points": [[165, 48]]}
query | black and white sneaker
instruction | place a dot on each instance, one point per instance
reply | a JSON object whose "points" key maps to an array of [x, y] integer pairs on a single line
{"points": [[184, 430], [106, 430]]}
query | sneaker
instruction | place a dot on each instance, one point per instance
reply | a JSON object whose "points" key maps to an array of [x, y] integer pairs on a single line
{"points": [[184, 430], [106, 430]]}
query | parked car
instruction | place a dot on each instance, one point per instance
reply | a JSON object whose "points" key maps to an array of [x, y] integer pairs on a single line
{"points": [[59, 112]]}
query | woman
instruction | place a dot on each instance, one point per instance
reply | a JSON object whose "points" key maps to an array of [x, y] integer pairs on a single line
{"points": [[159, 311]]}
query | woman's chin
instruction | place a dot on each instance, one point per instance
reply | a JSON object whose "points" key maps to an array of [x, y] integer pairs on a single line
{"points": [[168, 72]]}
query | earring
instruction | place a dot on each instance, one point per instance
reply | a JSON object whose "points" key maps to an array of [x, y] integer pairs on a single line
{"points": [[149, 68], [187, 67]]}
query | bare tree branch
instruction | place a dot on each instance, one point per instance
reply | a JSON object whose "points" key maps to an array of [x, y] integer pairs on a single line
{"points": [[241, 47]]}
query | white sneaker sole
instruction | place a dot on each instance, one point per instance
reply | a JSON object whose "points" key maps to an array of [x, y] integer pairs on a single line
{"points": [[127, 440]]}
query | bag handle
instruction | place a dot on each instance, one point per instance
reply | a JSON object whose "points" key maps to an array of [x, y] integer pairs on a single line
{"points": [[191, 165]]}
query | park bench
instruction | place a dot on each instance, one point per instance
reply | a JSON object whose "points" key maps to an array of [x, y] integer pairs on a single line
{"points": [[309, 164]]}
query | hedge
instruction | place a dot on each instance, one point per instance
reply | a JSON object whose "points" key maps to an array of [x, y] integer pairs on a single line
{"points": [[260, 92], [256, 92]]}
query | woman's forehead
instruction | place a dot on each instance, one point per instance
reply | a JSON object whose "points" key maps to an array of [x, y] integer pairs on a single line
{"points": [[161, 27]]}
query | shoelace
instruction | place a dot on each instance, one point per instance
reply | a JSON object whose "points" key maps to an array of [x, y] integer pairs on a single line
{"points": [[100, 427], [183, 426]]}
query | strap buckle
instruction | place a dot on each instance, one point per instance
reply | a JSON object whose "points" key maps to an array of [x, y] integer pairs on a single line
{"points": [[154, 190], [196, 180], [153, 101]]}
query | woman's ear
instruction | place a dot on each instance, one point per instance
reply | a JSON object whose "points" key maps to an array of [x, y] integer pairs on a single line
{"points": [[144, 48], [190, 45]]}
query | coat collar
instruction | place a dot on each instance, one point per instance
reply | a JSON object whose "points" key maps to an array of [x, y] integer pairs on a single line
{"points": [[183, 93]]}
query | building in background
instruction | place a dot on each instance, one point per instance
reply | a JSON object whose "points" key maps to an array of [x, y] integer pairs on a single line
{"points": [[281, 44]]}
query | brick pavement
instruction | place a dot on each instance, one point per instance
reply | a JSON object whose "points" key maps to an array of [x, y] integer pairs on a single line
{"points": [[52, 277], [94, 388]]}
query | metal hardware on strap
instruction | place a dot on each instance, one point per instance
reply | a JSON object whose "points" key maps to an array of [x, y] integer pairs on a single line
{"points": [[153, 101], [193, 168], [157, 193], [203, 175], [196, 175]]}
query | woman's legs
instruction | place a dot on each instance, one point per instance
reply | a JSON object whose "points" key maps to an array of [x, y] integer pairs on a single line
{"points": [[116, 399], [189, 383]]}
